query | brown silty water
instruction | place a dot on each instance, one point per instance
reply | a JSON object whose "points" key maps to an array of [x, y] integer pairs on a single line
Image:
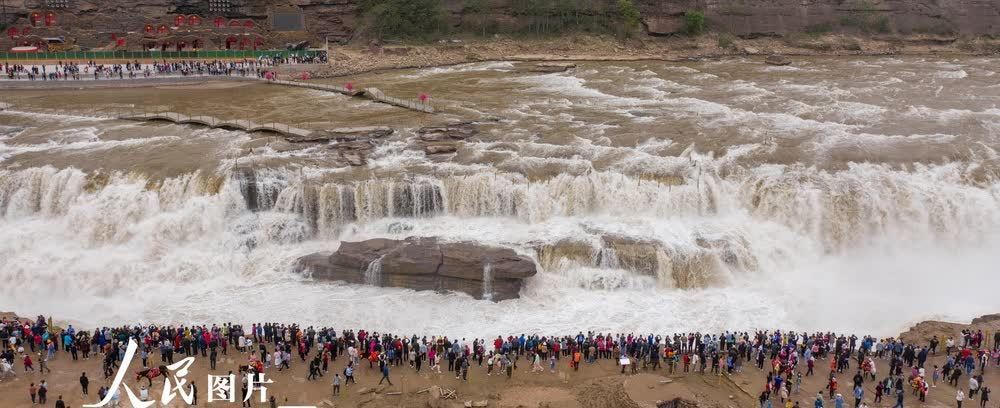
{"points": [[650, 180], [823, 112]]}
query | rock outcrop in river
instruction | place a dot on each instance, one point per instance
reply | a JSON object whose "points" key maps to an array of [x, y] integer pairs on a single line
{"points": [[425, 264], [445, 139]]}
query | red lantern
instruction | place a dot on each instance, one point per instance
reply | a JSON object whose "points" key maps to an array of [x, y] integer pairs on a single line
{"points": [[194, 21], [162, 29], [12, 32], [36, 17], [50, 19], [148, 29], [179, 21], [248, 24], [219, 22]]}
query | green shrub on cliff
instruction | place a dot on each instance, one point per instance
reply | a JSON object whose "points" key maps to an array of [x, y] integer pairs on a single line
{"points": [[866, 18], [694, 22], [547, 17], [403, 18], [629, 16]]}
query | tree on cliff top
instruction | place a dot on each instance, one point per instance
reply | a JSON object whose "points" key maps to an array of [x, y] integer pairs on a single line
{"points": [[402, 18]]}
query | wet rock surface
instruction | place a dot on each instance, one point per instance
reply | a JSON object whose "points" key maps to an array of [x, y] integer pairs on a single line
{"points": [[777, 60], [344, 134], [481, 271], [444, 139]]}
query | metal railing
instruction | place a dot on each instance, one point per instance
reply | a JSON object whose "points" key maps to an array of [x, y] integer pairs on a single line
{"points": [[380, 96], [132, 55]]}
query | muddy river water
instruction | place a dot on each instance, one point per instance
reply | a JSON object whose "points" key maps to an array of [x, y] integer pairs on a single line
{"points": [[836, 193]]}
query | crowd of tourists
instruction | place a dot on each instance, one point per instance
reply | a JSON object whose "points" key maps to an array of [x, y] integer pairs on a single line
{"points": [[69, 70], [782, 358]]}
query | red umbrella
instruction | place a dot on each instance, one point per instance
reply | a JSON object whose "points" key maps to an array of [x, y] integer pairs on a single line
{"points": [[423, 98], [349, 86]]}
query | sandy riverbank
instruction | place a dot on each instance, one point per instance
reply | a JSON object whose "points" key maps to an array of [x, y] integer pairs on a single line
{"points": [[596, 385]]}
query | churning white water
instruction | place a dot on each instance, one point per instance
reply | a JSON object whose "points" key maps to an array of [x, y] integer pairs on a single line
{"points": [[776, 211]]}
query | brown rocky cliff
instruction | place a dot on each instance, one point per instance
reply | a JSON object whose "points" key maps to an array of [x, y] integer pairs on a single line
{"points": [[339, 20]]}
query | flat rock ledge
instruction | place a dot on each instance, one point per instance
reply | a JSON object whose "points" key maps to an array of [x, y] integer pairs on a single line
{"points": [[425, 263]]}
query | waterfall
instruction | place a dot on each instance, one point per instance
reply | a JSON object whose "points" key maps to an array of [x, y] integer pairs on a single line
{"points": [[488, 281], [260, 187], [607, 258], [373, 273], [601, 231]]}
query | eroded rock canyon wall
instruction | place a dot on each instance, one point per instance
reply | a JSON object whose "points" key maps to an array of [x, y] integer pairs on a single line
{"points": [[339, 19]]}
